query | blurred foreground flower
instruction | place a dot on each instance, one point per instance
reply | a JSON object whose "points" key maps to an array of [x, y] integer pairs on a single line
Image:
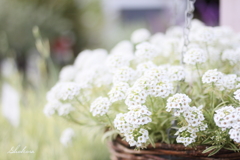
{"points": [[67, 136], [10, 104]]}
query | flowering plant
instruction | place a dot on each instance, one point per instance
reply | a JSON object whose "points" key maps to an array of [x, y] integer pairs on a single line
{"points": [[141, 92]]}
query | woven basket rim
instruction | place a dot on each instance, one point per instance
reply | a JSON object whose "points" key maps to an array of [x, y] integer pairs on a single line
{"points": [[121, 148]]}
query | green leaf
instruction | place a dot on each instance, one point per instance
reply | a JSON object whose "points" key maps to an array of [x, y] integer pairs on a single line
{"points": [[206, 141], [111, 133], [151, 141], [232, 147], [215, 151], [210, 148]]}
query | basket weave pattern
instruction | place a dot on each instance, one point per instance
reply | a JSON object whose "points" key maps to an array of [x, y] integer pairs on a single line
{"points": [[120, 150]]}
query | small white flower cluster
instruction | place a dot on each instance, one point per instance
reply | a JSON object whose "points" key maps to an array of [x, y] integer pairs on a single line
{"points": [[140, 35], [100, 106], [139, 140], [97, 75], [123, 48], [195, 55], [67, 136], [212, 76], [235, 134], [229, 81], [186, 135], [135, 97], [193, 115], [117, 61], [146, 50], [157, 74], [130, 125], [85, 78], [56, 97], [220, 80], [118, 91], [233, 56], [54, 107], [138, 116], [64, 91], [179, 103], [225, 117], [237, 94], [124, 74], [205, 35], [144, 67], [228, 117], [67, 73], [91, 69], [176, 73]]}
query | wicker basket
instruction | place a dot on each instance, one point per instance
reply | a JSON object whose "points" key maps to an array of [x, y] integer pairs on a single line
{"points": [[120, 150]]}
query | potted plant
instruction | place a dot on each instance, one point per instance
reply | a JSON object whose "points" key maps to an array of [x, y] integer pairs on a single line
{"points": [[150, 105]]}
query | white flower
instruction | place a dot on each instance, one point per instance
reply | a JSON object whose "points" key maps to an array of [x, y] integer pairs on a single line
{"points": [[225, 117], [135, 97], [195, 55], [229, 81], [100, 106], [186, 135], [53, 107], [117, 61], [102, 76], [213, 76], [157, 39], [64, 91], [67, 136], [121, 125], [237, 94], [138, 116], [85, 78], [143, 67], [214, 53], [205, 35], [190, 76], [235, 134], [157, 74], [118, 91], [67, 73], [124, 74], [140, 35], [179, 102], [175, 31], [161, 89], [170, 47], [176, 73], [146, 50], [65, 109], [10, 104], [87, 58], [193, 116], [145, 83], [233, 56], [8, 67], [139, 139], [123, 48]]}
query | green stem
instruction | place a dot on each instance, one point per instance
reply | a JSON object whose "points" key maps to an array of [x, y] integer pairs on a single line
{"points": [[74, 120], [82, 105], [110, 121], [199, 75], [212, 96], [152, 103]]}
